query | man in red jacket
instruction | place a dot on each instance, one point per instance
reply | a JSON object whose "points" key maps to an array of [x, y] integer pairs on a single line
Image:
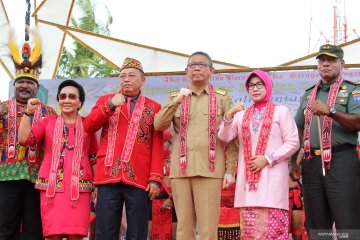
{"points": [[129, 160]]}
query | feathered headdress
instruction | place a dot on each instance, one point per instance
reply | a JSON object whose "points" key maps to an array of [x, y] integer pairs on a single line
{"points": [[28, 62]]}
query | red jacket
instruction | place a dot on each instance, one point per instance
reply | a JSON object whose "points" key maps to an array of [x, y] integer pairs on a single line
{"points": [[145, 163]]}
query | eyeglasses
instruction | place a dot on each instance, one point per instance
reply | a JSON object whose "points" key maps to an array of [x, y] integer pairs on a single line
{"points": [[71, 96], [259, 85], [194, 64], [130, 76]]}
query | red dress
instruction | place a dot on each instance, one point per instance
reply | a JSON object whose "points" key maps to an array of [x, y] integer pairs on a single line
{"points": [[59, 215]]}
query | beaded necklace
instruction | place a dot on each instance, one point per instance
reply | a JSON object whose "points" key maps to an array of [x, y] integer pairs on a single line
{"points": [[65, 138]]}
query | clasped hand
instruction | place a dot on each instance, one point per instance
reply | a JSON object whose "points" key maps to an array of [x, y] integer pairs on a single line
{"points": [[257, 163], [239, 106], [32, 105], [118, 99], [184, 92], [320, 108]]}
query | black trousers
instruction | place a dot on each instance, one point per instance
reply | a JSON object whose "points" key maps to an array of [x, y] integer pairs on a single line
{"points": [[19, 208], [110, 201], [335, 197]]}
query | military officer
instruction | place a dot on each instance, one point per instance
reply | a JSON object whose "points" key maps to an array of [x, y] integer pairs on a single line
{"points": [[331, 168]]}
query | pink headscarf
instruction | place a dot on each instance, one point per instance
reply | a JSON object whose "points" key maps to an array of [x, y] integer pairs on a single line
{"points": [[265, 77]]}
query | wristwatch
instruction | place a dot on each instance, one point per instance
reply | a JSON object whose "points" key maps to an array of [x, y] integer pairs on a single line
{"points": [[332, 111]]}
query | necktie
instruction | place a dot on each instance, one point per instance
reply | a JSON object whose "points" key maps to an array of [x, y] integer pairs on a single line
{"points": [[128, 105]]}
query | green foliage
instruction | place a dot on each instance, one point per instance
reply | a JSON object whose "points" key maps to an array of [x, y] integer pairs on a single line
{"points": [[81, 62]]}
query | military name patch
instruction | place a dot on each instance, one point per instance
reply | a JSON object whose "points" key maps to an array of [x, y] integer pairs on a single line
{"points": [[356, 95], [342, 95]]}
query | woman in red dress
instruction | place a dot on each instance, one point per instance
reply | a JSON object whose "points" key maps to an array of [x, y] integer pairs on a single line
{"points": [[65, 178]]}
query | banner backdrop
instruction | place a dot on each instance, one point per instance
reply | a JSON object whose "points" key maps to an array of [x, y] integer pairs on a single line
{"points": [[288, 87]]}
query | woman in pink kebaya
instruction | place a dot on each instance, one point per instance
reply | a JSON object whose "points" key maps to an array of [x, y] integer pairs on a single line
{"points": [[267, 137]]}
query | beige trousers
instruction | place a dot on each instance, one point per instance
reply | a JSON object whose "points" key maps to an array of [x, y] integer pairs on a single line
{"points": [[197, 202]]}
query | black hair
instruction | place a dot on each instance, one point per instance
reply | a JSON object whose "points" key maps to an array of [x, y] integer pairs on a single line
{"points": [[203, 54], [72, 83], [250, 77]]}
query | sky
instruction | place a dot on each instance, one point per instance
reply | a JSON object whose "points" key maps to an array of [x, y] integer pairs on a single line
{"points": [[254, 33]]}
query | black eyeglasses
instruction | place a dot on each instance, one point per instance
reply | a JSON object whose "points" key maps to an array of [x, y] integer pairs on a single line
{"points": [[71, 96], [201, 65], [259, 85]]}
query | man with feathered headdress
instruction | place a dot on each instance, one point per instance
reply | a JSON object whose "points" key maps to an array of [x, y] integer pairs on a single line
{"points": [[19, 201]]}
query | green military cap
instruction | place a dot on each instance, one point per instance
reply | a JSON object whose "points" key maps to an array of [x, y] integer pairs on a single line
{"points": [[331, 50]]}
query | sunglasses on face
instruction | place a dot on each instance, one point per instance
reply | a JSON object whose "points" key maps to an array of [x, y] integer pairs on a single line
{"points": [[71, 96]]}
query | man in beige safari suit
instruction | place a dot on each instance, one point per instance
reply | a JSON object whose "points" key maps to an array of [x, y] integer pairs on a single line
{"points": [[198, 159]]}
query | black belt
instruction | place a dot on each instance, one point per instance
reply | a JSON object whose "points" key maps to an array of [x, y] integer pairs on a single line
{"points": [[334, 149]]}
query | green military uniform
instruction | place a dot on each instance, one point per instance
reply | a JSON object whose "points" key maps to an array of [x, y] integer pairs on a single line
{"points": [[347, 100], [199, 188], [334, 197]]}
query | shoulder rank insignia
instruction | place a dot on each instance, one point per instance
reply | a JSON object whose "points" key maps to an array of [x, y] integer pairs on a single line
{"points": [[352, 82], [174, 94], [221, 91], [343, 88], [312, 86]]}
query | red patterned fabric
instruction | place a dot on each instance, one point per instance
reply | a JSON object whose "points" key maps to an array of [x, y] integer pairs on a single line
{"points": [[327, 122], [168, 136], [132, 63], [57, 146], [146, 159], [133, 127], [227, 196], [32, 149], [229, 223], [295, 199], [161, 221], [184, 120], [264, 223], [166, 155], [252, 178], [12, 132], [229, 217]]}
